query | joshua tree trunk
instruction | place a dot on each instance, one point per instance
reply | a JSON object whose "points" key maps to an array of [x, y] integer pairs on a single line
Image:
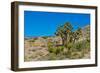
{"points": [[63, 40]]}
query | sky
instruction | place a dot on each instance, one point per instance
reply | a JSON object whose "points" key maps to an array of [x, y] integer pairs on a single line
{"points": [[45, 23]]}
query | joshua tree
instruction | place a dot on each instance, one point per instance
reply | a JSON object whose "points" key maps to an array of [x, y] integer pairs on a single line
{"points": [[77, 34], [64, 32]]}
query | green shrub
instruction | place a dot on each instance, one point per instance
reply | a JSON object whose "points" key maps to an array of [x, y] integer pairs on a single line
{"points": [[69, 45], [79, 46], [88, 40], [54, 49], [32, 40], [50, 47], [45, 37], [88, 43], [49, 44], [60, 49], [52, 56], [76, 55]]}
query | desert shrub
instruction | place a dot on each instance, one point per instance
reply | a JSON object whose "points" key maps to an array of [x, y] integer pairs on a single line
{"points": [[65, 51], [52, 50], [60, 49], [88, 43], [88, 40], [49, 44], [68, 49], [69, 45], [50, 47], [78, 49], [86, 47], [45, 37], [79, 46], [76, 55], [85, 44], [33, 40], [30, 57], [55, 49], [52, 56]]}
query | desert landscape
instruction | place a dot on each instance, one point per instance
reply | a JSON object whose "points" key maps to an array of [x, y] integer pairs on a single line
{"points": [[65, 44]]}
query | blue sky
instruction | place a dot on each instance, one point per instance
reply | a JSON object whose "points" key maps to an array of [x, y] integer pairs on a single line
{"points": [[45, 23]]}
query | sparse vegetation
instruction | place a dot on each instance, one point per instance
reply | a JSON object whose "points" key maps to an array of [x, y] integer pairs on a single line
{"points": [[45, 37], [72, 45]]}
